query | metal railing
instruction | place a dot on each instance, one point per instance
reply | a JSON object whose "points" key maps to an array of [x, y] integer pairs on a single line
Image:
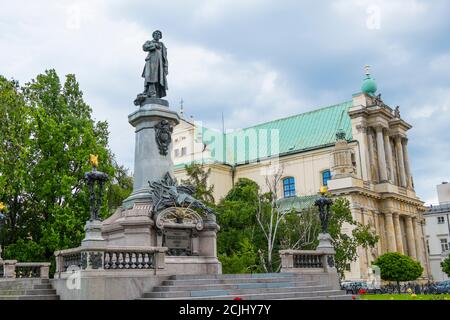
{"points": [[110, 258]]}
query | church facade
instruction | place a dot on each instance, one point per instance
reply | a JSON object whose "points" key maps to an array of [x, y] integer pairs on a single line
{"points": [[357, 148]]}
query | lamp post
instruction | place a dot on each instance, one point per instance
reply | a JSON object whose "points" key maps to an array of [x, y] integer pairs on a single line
{"points": [[95, 198], [324, 204], [93, 227], [2, 217]]}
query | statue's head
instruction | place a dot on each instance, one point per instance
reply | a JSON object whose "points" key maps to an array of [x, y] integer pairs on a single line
{"points": [[157, 34]]}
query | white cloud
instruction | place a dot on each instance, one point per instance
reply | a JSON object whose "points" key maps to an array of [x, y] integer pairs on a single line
{"points": [[100, 41]]}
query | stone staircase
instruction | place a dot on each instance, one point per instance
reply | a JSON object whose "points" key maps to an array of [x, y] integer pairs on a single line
{"points": [[27, 289], [269, 286]]}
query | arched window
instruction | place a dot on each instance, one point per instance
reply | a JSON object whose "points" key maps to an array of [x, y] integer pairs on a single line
{"points": [[326, 175], [289, 187]]}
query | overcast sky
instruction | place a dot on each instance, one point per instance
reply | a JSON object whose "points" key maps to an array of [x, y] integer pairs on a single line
{"points": [[253, 60]]}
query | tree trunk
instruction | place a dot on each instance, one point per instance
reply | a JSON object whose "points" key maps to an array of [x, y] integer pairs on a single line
{"points": [[398, 286]]}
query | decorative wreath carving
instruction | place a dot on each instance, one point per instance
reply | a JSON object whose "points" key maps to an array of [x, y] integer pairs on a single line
{"points": [[163, 136], [179, 217]]}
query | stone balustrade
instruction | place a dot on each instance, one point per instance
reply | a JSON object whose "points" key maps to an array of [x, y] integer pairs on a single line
{"points": [[14, 269], [306, 261], [110, 258]]}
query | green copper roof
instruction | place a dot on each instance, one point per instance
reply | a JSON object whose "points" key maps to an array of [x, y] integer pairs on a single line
{"points": [[294, 134], [302, 132]]}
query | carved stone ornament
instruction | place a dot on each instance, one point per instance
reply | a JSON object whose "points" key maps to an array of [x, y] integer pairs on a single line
{"points": [[397, 112], [179, 217], [95, 259], [166, 193], [340, 135], [163, 136], [330, 261], [377, 101]]}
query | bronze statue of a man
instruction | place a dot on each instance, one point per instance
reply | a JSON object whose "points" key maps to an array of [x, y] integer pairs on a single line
{"points": [[156, 67]]}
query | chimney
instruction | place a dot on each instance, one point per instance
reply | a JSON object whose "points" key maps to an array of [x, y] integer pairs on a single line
{"points": [[443, 191]]}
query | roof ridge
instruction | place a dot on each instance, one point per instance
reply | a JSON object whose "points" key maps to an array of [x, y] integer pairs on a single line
{"points": [[296, 115]]}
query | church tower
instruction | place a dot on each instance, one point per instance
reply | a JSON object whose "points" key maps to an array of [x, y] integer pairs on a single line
{"points": [[381, 188]]}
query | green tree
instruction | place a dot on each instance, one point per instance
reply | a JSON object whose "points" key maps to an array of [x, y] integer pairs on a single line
{"points": [[120, 188], [446, 265], [46, 138], [398, 267], [239, 238], [15, 138], [198, 177], [300, 230], [346, 245]]}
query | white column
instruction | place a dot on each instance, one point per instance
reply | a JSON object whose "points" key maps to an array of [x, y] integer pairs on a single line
{"points": [[400, 160], [388, 151], [381, 155], [419, 242], [365, 171], [398, 233], [390, 232], [406, 159], [373, 166], [410, 238]]}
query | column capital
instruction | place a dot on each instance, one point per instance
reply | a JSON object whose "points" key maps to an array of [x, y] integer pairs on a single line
{"points": [[398, 138], [362, 128]]}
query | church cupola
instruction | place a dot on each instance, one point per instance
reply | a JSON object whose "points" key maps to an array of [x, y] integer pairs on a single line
{"points": [[369, 85]]}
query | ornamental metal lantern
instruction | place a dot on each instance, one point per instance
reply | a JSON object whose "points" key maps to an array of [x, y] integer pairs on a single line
{"points": [[324, 204], [95, 194]]}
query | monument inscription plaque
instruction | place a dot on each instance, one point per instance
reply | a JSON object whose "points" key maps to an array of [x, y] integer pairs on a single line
{"points": [[177, 241]]}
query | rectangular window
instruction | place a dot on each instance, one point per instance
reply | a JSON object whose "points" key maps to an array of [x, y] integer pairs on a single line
{"points": [[326, 175], [441, 220], [183, 151], [177, 153], [428, 246], [289, 187], [444, 244]]}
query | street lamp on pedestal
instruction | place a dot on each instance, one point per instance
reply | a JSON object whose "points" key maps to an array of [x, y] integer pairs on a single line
{"points": [[324, 204], [93, 226]]}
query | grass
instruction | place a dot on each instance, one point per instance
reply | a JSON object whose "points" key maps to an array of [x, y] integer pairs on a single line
{"points": [[404, 297]]}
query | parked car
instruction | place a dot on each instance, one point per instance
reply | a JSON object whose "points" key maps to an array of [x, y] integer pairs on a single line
{"points": [[353, 287], [439, 287], [443, 287]]}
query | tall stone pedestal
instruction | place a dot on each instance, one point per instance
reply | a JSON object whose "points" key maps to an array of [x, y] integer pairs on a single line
{"points": [[325, 244], [150, 163], [93, 237]]}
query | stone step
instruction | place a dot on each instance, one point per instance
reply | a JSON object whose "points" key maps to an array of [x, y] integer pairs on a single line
{"points": [[232, 276], [31, 297], [240, 285], [21, 283], [26, 292], [43, 286], [224, 281], [318, 294], [233, 292]]}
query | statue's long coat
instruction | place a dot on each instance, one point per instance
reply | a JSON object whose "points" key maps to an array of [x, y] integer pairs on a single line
{"points": [[155, 64]]}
